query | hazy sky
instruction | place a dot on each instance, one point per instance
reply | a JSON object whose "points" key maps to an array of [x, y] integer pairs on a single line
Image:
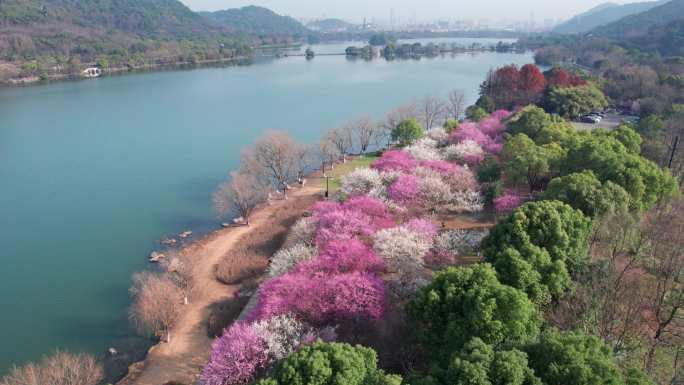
{"points": [[355, 10]]}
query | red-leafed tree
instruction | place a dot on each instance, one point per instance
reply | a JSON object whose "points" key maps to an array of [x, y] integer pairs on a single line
{"points": [[558, 77], [531, 84], [502, 86]]}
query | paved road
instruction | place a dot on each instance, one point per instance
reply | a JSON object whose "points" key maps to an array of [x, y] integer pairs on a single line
{"points": [[610, 122]]}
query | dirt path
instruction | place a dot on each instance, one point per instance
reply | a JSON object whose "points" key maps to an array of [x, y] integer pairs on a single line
{"points": [[182, 358]]}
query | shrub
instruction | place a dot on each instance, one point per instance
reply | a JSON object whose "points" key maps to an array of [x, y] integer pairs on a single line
{"points": [[60, 368], [285, 259]]}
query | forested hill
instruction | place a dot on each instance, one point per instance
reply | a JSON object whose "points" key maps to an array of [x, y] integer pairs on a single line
{"points": [[147, 18], [604, 14], [257, 20], [639, 24], [660, 29]]}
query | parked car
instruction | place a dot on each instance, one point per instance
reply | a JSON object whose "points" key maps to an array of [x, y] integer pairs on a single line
{"points": [[590, 119]]}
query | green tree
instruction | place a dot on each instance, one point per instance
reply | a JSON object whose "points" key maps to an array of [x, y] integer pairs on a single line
{"points": [[536, 247], [407, 132], [610, 160], [530, 121], [489, 170], [651, 126], [481, 364], [529, 163], [475, 113], [573, 358], [629, 138], [330, 364], [572, 102], [463, 303], [486, 103], [450, 125], [583, 191]]}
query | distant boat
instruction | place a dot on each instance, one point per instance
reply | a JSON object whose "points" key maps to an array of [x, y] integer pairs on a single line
{"points": [[92, 72]]}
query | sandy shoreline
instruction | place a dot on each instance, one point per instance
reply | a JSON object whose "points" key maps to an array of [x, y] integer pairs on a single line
{"points": [[189, 349]]}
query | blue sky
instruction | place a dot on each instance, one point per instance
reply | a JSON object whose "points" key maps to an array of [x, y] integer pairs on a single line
{"points": [[421, 10]]}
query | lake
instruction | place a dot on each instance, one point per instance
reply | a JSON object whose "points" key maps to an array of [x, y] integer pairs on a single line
{"points": [[94, 173]]}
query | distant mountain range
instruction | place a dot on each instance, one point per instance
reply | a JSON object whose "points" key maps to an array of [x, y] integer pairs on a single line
{"points": [[604, 14], [659, 29], [256, 20], [331, 25]]}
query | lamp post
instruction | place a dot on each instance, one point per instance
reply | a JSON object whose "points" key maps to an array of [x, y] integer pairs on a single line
{"points": [[327, 187]]}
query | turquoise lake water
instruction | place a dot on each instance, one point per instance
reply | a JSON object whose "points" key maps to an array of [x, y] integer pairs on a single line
{"points": [[95, 172]]}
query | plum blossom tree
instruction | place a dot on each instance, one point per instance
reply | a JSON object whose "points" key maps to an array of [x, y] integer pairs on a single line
{"points": [[491, 127], [341, 224], [501, 114], [438, 134], [424, 149], [285, 259], [507, 203], [469, 151], [404, 190], [433, 192], [402, 248], [303, 231], [340, 257], [442, 167], [362, 181], [461, 179], [422, 226], [236, 357], [246, 350], [468, 201], [321, 299], [395, 161]]}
